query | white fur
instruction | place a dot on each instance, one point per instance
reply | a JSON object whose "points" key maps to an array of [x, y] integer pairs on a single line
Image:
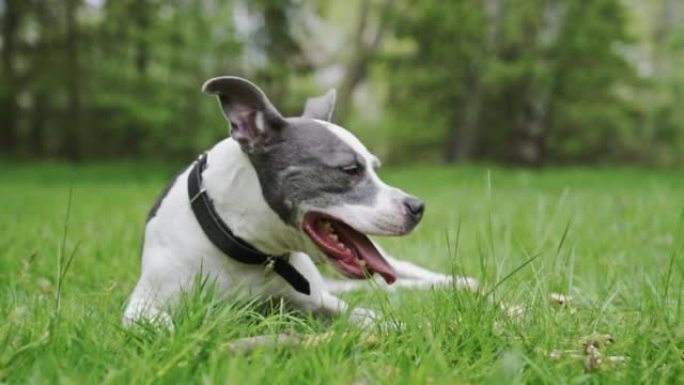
{"points": [[259, 122], [386, 216], [176, 249]]}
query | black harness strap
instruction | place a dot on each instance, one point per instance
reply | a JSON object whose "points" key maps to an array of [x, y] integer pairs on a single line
{"points": [[220, 235]]}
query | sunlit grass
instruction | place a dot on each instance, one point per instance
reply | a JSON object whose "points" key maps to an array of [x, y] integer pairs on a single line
{"points": [[610, 238]]}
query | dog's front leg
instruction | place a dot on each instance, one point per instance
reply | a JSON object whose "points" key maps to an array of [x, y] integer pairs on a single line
{"points": [[409, 275], [145, 304], [415, 275], [321, 301]]}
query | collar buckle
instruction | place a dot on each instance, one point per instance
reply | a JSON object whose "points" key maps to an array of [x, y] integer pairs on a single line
{"points": [[270, 266]]}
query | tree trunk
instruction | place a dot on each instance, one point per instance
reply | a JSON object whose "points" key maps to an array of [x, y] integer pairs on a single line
{"points": [[37, 136], [71, 139], [464, 135], [529, 141], [666, 21], [361, 55], [142, 20], [8, 98], [666, 26]]}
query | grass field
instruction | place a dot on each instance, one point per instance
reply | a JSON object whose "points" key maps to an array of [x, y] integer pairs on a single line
{"points": [[610, 238]]}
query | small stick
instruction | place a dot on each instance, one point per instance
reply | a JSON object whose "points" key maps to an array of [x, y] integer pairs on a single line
{"points": [[248, 345]]}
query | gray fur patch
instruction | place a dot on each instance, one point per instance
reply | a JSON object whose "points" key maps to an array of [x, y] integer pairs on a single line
{"points": [[303, 163]]}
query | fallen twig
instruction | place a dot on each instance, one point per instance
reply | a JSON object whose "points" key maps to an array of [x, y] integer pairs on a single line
{"points": [[560, 299], [590, 353], [248, 345]]}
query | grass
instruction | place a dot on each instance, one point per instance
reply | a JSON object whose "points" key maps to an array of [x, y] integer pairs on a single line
{"points": [[610, 238]]}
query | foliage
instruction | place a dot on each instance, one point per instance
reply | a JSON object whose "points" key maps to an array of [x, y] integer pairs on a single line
{"points": [[522, 81], [525, 80]]}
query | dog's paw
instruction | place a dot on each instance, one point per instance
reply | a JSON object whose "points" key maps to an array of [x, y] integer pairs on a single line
{"points": [[151, 316], [458, 282], [370, 322], [466, 283], [363, 318]]}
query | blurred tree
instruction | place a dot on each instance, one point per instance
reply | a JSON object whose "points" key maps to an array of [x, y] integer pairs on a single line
{"points": [[520, 81], [530, 127], [590, 120], [70, 147], [42, 80], [665, 96], [149, 72], [11, 22], [366, 40], [285, 59], [514, 80], [464, 136], [437, 84]]}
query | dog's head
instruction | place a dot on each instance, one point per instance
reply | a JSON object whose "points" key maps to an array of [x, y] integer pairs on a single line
{"points": [[318, 177]]}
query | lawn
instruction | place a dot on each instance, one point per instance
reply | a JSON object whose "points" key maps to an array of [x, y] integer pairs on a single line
{"points": [[609, 238]]}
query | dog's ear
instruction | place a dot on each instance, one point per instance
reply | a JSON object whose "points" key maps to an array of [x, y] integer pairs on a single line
{"points": [[252, 117], [321, 107]]}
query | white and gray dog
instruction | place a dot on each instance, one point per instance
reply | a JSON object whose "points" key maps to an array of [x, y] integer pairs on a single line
{"points": [[262, 207]]}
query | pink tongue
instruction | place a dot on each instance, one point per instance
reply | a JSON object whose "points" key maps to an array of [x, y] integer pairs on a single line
{"points": [[364, 247]]}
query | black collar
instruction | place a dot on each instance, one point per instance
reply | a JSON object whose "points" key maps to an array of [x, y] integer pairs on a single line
{"points": [[220, 235]]}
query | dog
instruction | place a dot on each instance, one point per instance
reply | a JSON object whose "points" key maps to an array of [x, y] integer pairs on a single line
{"points": [[260, 209]]}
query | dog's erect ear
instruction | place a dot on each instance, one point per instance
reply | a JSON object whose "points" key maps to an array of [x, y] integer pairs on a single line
{"points": [[321, 107], [252, 117]]}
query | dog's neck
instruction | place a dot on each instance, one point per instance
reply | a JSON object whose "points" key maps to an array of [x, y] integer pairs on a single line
{"points": [[233, 185]]}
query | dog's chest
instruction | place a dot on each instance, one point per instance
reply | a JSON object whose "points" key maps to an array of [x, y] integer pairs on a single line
{"points": [[231, 182]]}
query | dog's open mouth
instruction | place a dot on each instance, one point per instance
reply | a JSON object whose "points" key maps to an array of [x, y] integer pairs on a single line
{"points": [[350, 251]]}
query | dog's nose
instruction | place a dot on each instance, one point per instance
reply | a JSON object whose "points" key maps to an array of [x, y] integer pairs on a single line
{"points": [[415, 206]]}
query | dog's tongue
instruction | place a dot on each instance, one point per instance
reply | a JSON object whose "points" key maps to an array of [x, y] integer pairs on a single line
{"points": [[367, 251]]}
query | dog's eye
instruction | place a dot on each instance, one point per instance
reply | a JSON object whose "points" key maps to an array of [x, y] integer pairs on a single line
{"points": [[351, 169]]}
